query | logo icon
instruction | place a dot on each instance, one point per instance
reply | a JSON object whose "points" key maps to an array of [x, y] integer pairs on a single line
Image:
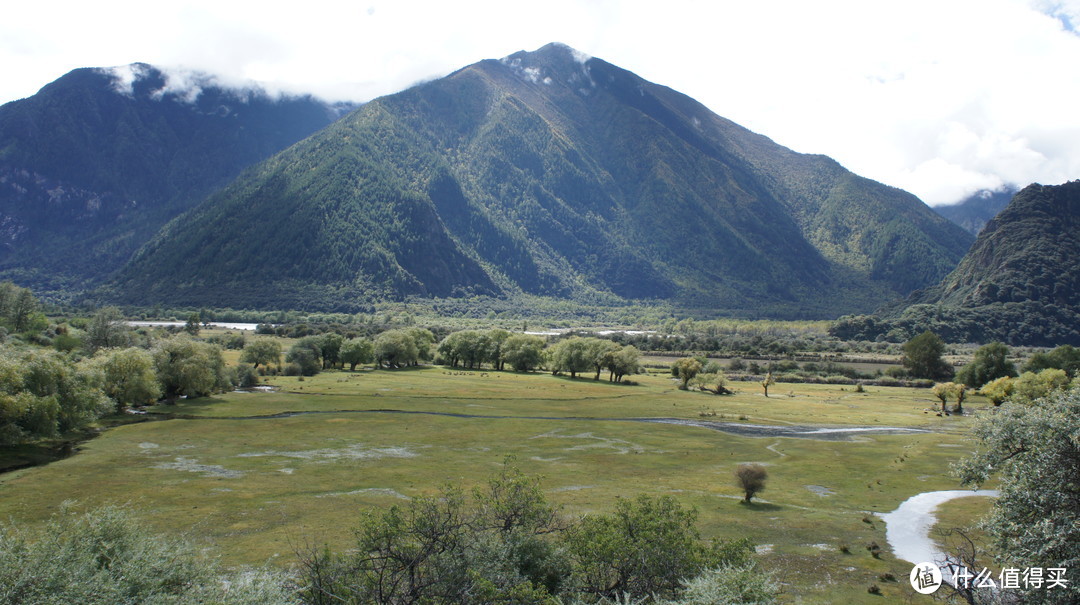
{"points": [[925, 578]]}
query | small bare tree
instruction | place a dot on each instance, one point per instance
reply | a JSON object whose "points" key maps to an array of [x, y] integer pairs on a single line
{"points": [[751, 478]]}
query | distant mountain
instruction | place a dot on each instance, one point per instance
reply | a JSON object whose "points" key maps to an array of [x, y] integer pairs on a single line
{"points": [[1019, 283], [974, 212], [99, 160], [554, 174]]}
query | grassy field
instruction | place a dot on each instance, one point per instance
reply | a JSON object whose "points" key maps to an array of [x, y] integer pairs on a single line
{"points": [[255, 482]]}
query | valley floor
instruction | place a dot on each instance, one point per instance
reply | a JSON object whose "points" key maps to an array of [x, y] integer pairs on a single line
{"points": [[256, 480]]}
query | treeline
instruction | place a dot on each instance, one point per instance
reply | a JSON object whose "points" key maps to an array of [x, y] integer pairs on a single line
{"points": [[502, 543], [467, 349], [1028, 323]]}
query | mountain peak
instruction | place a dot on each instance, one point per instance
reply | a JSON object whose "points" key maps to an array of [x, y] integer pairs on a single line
{"points": [[553, 61]]}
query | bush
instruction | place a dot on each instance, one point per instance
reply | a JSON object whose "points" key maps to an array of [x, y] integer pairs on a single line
{"points": [[105, 557]]}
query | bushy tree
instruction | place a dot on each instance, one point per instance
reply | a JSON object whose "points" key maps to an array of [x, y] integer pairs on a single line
{"points": [[330, 347], [998, 390], [523, 352], [714, 383], [356, 351], [990, 361], [648, 546], [262, 351], [395, 349], [622, 362], [1065, 357], [305, 356], [1031, 386], [107, 330], [600, 353], [922, 357], [1035, 454], [751, 480], [570, 356], [441, 549], [42, 395], [18, 308], [127, 376], [685, 369], [189, 367]]}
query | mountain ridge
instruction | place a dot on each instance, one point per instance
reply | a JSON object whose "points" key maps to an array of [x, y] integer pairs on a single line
{"points": [[550, 174]]}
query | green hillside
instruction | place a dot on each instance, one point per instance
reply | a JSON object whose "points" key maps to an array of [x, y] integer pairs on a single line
{"points": [[1019, 283], [549, 174], [93, 165]]}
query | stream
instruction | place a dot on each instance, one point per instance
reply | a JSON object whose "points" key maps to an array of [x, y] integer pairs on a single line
{"points": [[907, 529]]}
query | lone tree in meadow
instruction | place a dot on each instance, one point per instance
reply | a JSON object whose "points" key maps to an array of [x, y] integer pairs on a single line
{"points": [[751, 479], [767, 382]]}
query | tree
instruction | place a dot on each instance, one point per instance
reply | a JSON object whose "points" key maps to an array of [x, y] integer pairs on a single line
{"points": [[424, 341], [713, 382], [943, 390], [1065, 357], [570, 355], [1030, 386], [524, 352], [767, 382], [751, 480], [648, 546], [922, 357], [42, 395], [356, 351], [599, 353], [330, 345], [262, 351], [127, 376], [189, 367], [440, 549], [991, 361], [192, 325], [998, 390], [685, 369], [496, 348], [623, 362], [107, 329], [1035, 454], [395, 349]]}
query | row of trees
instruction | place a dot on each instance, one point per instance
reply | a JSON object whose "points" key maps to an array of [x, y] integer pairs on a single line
{"points": [[470, 349]]}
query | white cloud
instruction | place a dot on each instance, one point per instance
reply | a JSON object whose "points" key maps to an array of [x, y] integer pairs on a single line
{"points": [[940, 97]]}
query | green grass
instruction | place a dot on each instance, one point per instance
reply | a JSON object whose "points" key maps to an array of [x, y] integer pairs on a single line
{"points": [[257, 488]]}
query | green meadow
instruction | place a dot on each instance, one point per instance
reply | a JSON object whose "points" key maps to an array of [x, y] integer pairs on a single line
{"points": [[256, 476]]}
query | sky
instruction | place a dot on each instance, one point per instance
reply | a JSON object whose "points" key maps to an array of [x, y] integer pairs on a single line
{"points": [[943, 98]]}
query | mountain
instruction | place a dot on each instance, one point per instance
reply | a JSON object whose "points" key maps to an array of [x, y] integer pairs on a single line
{"points": [[1019, 283], [974, 212], [553, 174], [95, 163]]}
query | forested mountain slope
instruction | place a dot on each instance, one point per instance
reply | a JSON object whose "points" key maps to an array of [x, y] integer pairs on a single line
{"points": [[1019, 283], [553, 174], [98, 161]]}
